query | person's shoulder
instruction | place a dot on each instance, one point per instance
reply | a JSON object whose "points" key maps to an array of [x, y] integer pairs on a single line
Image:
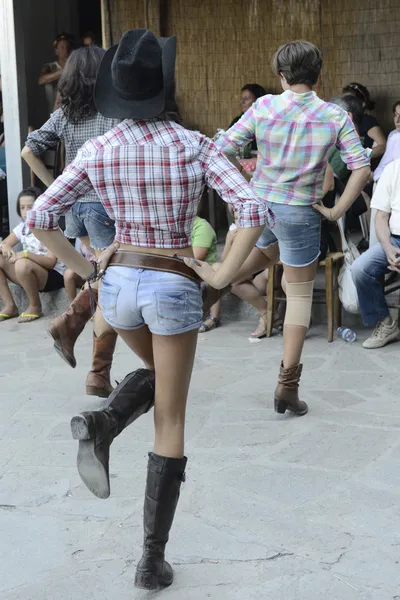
{"points": [[19, 230], [368, 122], [333, 111], [266, 101]]}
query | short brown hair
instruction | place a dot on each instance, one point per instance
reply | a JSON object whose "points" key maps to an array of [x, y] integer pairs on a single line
{"points": [[298, 62]]}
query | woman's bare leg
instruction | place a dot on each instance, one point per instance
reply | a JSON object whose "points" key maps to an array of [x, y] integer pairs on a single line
{"points": [[173, 358], [294, 335], [7, 272], [32, 278], [141, 342]]}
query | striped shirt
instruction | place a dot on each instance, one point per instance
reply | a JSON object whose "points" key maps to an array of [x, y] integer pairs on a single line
{"points": [[295, 134], [150, 176]]}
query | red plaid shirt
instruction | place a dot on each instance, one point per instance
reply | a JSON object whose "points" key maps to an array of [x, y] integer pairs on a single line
{"points": [[150, 176]]}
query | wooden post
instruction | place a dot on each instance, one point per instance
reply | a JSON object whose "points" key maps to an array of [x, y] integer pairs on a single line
{"points": [[14, 100]]}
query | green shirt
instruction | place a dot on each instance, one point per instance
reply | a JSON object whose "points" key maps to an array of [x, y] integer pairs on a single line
{"points": [[339, 167], [204, 236]]}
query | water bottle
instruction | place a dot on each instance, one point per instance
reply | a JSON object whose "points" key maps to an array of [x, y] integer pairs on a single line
{"points": [[347, 334]]}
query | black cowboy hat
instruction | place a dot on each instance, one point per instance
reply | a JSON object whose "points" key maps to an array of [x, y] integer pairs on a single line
{"points": [[135, 76]]}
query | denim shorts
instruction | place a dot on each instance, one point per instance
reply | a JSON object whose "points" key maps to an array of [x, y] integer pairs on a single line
{"points": [[167, 303], [297, 231], [89, 219]]}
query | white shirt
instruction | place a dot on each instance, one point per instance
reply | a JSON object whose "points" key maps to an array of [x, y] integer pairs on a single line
{"points": [[387, 195], [32, 244]]}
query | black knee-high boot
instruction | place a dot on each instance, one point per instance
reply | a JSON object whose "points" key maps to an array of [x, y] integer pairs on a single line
{"points": [[164, 478], [96, 430]]}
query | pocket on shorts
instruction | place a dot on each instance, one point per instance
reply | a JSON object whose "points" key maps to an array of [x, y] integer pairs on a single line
{"points": [[172, 313], [108, 299], [101, 216]]}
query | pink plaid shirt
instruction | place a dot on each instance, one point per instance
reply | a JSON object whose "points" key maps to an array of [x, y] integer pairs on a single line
{"points": [[150, 176], [295, 135]]}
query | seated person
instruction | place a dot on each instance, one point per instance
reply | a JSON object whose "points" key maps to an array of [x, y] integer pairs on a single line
{"points": [[369, 269], [72, 281], [248, 95], [204, 244], [35, 269], [392, 151], [370, 132]]}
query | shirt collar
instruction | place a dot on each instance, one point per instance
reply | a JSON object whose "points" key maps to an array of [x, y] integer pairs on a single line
{"points": [[300, 98]]}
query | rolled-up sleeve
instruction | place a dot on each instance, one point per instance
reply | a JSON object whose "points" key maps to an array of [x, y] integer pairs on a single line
{"points": [[223, 177], [240, 134], [350, 147], [60, 196], [48, 136]]}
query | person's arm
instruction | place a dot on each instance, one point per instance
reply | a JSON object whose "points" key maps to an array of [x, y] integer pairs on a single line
{"points": [[230, 236], [37, 166], [199, 252], [42, 220], [376, 134], [48, 76], [253, 214], [382, 231], [329, 180], [41, 140], [357, 160], [240, 134], [7, 245], [47, 262]]}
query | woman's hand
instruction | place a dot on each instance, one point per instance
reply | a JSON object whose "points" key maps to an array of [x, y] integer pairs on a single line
{"points": [[7, 251], [328, 213], [16, 256], [106, 255], [208, 273]]}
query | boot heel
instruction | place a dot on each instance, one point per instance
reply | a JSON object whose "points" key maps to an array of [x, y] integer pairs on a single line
{"points": [[280, 406], [82, 428], [92, 390], [148, 581]]}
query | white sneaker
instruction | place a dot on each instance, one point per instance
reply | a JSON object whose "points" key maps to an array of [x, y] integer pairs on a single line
{"points": [[382, 335]]}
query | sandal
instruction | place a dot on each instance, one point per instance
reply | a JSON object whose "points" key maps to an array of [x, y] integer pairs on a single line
{"points": [[28, 317], [6, 317], [277, 324], [214, 324]]}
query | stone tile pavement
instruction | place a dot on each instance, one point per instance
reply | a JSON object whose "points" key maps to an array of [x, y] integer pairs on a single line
{"points": [[280, 508]]}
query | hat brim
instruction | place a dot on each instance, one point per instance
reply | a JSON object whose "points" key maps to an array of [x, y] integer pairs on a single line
{"points": [[110, 104]]}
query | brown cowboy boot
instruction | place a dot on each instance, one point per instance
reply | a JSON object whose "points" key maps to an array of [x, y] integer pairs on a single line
{"points": [[66, 328], [164, 478], [287, 391], [98, 379], [96, 430]]}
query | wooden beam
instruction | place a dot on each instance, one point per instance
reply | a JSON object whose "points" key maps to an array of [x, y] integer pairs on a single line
{"points": [[13, 80]]}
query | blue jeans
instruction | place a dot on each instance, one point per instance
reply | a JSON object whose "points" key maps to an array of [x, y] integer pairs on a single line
{"points": [[367, 272], [89, 219], [167, 303], [297, 231]]}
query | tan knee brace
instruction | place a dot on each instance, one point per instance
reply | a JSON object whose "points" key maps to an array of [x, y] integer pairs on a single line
{"points": [[299, 301]]}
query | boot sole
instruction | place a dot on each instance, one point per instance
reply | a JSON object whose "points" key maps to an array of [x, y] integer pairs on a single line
{"points": [[70, 360], [146, 581], [90, 468], [99, 392], [281, 407]]}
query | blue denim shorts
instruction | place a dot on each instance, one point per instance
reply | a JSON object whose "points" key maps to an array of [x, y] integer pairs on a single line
{"points": [[297, 231], [89, 219], [167, 303]]}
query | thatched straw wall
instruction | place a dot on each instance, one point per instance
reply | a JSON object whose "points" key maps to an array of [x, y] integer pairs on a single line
{"points": [[223, 44]]}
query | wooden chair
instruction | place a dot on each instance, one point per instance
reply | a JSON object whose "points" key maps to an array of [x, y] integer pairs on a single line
{"points": [[329, 296]]}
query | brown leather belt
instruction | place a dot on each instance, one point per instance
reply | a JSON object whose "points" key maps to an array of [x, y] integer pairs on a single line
{"points": [[154, 262]]}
